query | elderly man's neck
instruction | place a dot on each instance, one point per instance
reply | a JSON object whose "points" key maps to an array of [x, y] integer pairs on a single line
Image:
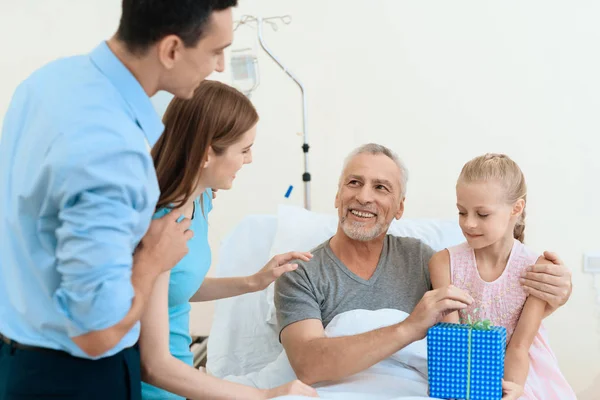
{"points": [[361, 257]]}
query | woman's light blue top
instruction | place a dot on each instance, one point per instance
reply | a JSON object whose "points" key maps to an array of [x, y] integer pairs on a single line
{"points": [[186, 279]]}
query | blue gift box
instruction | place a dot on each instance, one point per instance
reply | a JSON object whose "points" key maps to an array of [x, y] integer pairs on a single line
{"points": [[465, 363]]}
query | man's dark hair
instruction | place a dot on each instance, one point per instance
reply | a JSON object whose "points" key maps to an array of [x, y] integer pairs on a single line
{"points": [[145, 22]]}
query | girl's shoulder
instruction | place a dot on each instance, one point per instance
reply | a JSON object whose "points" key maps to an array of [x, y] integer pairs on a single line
{"points": [[459, 249], [526, 255]]}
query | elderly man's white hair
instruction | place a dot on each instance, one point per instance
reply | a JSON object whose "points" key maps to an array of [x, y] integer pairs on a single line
{"points": [[375, 149]]}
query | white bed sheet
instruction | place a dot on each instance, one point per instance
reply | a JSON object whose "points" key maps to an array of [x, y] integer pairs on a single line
{"points": [[244, 339], [240, 341], [402, 375]]}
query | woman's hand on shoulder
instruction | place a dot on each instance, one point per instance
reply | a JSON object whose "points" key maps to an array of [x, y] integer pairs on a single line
{"points": [[277, 266]]}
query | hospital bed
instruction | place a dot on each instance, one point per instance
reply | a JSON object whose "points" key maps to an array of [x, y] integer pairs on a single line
{"points": [[243, 343]]}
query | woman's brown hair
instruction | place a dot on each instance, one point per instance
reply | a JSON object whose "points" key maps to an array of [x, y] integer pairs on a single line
{"points": [[217, 116]]}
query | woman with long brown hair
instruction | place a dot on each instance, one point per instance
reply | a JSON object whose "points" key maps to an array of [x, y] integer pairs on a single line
{"points": [[206, 141]]}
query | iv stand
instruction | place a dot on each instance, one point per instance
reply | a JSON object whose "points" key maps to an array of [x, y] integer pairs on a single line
{"points": [[286, 19]]}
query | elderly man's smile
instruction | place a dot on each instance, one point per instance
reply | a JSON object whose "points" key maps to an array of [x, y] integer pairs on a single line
{"points": [[361, 215]]}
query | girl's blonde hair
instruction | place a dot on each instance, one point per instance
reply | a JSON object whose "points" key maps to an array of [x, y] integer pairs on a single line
{"points": [[499, 168]]}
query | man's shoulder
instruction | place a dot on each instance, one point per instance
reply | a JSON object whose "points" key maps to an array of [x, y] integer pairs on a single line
{"points": [[74, 90], [69, 73], [317, 263], [405, 242], [57, 67], [319, 254], [409, 248]]}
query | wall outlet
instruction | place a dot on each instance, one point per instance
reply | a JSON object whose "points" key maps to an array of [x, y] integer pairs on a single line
{"points": [[591, 262]]}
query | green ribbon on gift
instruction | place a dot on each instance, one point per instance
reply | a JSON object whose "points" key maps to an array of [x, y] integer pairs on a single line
{"points": [[477, 325]]}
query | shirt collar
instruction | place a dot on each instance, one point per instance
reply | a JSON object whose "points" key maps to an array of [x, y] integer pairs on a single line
{"points": [[130, 89]]}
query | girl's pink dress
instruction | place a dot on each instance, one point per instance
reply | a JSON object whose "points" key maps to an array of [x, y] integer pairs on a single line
{"points": [[501, 301]]}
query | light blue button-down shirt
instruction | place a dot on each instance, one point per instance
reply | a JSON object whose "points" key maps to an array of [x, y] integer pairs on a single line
{"points": [[78, 189]]}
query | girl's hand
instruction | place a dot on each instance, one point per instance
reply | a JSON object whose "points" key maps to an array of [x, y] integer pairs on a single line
{"points": [[511, 390], [275, 268]]}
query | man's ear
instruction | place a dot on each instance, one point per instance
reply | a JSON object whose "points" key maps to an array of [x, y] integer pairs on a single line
{"points": [[336, 203], [400, 209], [169, 51]]}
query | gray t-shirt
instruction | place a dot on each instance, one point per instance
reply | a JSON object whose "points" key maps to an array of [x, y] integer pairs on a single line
{"points": [[324, 287]]}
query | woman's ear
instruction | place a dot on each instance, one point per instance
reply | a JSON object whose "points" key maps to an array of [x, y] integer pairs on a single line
{"points": [[210, 154]]}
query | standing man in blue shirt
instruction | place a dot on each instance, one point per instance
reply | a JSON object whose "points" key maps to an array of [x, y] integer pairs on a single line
{"points": [[78, 190]]}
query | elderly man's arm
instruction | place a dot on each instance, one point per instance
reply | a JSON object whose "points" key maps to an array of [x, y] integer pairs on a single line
{"points": [[550, 282], [316, 358]]}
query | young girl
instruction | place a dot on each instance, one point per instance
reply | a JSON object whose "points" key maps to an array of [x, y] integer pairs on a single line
{"points": [[491, 198], [206, 141]]}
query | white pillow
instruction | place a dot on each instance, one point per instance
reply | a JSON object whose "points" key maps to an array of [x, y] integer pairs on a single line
{"points": [[301, 230]]}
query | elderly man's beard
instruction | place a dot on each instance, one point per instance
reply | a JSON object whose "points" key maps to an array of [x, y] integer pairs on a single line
{"points": [[358, 231]]}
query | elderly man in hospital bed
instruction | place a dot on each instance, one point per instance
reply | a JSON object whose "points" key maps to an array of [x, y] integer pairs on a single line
{"points": [[363, 268], [352, 320]]}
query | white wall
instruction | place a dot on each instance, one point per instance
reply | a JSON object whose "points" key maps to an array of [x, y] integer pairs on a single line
{"points": [[440, 82]]}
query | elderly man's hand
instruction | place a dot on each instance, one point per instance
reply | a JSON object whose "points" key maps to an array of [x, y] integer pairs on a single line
{"points": [[433, 307], [549, 282]]}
